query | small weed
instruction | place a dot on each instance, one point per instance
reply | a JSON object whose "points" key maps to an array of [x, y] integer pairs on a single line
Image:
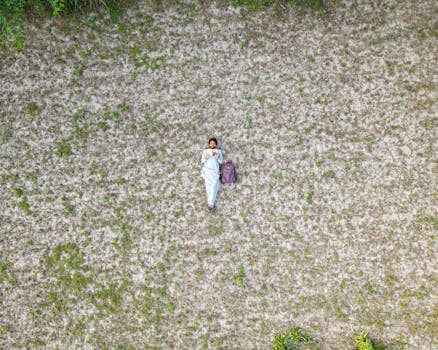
{"points": [[79, 71], [63, 149], [120, 181], [34, 109], [124, 243], [69, 208], [7, 133], [310, 128], [157, 62], [260, 98], [429, 220], [309, 198], [207, 252], [240, 276], [369, 138], [427, 123], [112, 115], [249, 123], [329, 174], [161, 267], [16, 192], [108, 299], [103, 125], [24, 205], [67, 265], [277, 175], [5, 275], [364, 342], [170, 306], [149, 216], [295, 339], [154, 303]]}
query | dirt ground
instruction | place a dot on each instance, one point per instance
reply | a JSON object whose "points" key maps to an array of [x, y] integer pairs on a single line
{"points": [[106, 241]]}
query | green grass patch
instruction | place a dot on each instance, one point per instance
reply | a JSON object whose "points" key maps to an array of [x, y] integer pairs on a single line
{"points": [[263, 4], [63, 149], [33, 109], [5, 274], [67, 265], [295, 339], [16, 192], [24, 205], [364, 342], [241, 274]]}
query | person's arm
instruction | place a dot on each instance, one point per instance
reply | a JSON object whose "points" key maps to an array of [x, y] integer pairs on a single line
{"points": [[220, 158], [203, 158]]}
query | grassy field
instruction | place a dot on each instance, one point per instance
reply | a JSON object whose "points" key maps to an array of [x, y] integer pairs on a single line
{"points": [[331, 118]]}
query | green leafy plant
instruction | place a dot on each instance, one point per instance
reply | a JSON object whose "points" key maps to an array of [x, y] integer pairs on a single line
{"points": [[295, 339], [57, 7], [13, 14], [16, 192], [11, 23], [240, 276], [363, 342], [24, 205], [309, 197], [63, 149], [5, 274], [262, 4]]}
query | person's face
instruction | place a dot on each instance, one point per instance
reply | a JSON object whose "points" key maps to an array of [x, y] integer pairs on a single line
{"points": [[212, 144]]}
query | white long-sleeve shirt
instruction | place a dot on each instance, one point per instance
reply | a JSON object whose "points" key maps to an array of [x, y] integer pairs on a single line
{"points": [[219, 158]]}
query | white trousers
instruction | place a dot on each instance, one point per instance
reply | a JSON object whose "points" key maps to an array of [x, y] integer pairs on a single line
{"points": [[211, 187], [210, 172]]}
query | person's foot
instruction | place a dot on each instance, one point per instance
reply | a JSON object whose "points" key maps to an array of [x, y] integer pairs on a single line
{"points": [[211, 208]]}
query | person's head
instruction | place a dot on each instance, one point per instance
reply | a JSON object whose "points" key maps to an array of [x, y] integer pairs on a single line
{"points": [[212, 143]]}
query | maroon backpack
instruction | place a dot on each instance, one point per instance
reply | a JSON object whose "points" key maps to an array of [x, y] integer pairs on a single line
{"points": [[228, 173]]}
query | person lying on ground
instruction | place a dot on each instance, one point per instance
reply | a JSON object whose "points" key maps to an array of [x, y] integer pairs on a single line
{"points": [[211, 159]]}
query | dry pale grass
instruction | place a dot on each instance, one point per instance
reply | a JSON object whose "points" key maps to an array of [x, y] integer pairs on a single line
{"points": [[106, 242]]}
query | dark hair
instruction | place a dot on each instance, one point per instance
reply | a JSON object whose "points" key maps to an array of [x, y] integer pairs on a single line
{"points": [[213, 139]]}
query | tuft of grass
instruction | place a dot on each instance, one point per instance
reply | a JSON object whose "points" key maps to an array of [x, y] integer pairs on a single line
{"points": [[249, 123], [430, 220], [103, 125], [239, 278], [33, 109], [16, 192], [207, 252], [66, 264], [364, 342], [295, 339], [255, 5], [24, 205], [63, 149], [5, 274], [309, 198], [6, 134]]}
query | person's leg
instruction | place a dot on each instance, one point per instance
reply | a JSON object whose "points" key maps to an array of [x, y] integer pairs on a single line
{"points": [[213, 192], [209, 188]]}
